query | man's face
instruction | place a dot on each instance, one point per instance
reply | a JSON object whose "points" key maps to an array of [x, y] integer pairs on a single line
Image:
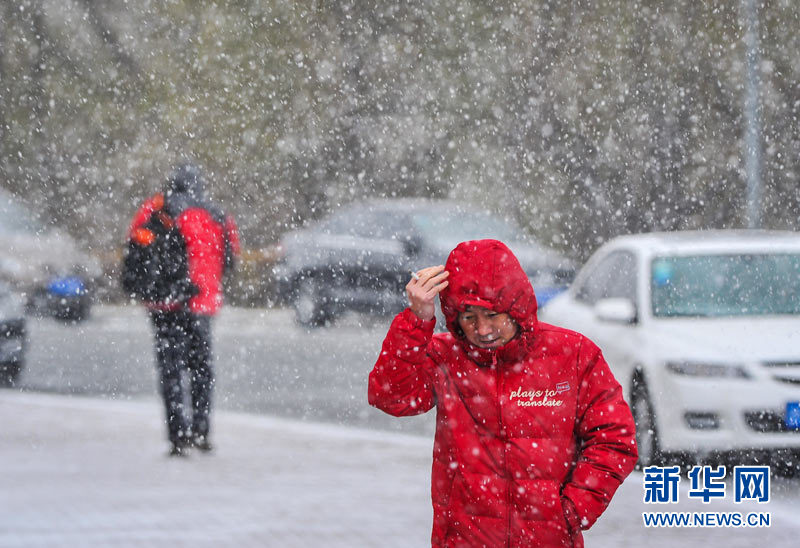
{"points": [[485, 328]]}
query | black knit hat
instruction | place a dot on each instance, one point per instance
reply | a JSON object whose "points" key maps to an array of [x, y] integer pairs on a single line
{"points": [[186, 178]]}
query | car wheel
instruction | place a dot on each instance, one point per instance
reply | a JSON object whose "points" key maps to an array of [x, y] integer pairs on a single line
{"points": [[76, 312], [308, 306], [9, 373], [37, 303], [786, 462], [646, 433]]}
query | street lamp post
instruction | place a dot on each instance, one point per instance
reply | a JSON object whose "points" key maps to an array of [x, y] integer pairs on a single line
{"points": [[752, 115]]}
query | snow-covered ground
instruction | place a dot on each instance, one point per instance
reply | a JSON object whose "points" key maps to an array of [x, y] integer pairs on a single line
{"points": [[91, 472]]}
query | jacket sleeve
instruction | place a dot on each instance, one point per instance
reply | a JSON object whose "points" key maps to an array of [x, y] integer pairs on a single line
{"points": [[142, 214], [401, 381], [607, 447]]}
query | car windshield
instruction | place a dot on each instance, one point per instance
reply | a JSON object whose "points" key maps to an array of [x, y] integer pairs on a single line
{"points": [[726, 285], [465, 226]]}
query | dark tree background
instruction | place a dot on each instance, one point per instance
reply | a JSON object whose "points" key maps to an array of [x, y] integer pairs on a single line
{"points": [[582, 120]]}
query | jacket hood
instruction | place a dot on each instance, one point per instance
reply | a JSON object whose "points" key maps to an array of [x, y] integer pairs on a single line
{"points": [[186, 189], [187, 178], [486, 273]]}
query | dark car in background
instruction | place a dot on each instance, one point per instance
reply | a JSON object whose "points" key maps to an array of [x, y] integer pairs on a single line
{"points": [[12, 335], [360, 257], [47, 266]]}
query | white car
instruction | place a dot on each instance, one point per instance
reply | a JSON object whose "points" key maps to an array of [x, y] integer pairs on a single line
{"points": [[702, 329]]}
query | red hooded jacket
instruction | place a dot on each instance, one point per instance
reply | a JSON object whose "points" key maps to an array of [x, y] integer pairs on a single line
{"points": [[533, 438], [205, 249]]}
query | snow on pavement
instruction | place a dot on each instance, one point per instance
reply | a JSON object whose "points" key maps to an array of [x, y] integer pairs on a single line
{"points": [[92, 472], [84, 472]]}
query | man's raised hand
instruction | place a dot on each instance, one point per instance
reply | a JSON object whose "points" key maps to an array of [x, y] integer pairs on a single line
{"points": [[422, 289]]}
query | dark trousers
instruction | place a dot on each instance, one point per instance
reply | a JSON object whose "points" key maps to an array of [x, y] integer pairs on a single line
{"points": [[183, 343]]}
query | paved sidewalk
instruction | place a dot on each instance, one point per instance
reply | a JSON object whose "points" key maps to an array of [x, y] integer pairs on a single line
{"points": [[88, 472]]}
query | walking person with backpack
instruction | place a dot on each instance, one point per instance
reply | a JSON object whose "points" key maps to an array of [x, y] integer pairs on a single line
{"points": [[179, 248]]}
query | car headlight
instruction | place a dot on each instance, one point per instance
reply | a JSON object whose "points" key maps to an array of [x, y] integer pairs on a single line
{"points": [[705, 369]]}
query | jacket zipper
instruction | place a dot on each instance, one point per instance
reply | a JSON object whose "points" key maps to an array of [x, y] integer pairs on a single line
{"points": [[500, 387]]}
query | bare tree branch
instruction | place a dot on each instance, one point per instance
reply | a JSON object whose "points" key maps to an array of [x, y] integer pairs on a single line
{"points": [[110, 38]]}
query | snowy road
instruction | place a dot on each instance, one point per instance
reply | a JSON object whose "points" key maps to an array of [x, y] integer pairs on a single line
{"points": [[264, 364], [268, 366]]}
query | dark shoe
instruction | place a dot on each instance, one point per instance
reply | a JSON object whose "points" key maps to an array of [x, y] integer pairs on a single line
{"points": [[179, 449], [201, 443]]}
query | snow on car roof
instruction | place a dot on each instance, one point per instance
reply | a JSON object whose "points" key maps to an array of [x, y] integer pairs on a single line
{"points": [[419, 204], [710, 241]]}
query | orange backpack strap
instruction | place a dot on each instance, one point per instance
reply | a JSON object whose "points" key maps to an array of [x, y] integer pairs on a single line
{"points": [[158, 201], [143, 236]]}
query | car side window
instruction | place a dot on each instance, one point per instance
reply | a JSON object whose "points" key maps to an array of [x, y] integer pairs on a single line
{"points": [[366, 223], [362, 224], [389, 226], [348, 223], [614, 277], [334, 225]]}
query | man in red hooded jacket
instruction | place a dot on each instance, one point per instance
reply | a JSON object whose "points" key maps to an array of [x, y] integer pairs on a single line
{"points": [[533, 436], [183, 329]]}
